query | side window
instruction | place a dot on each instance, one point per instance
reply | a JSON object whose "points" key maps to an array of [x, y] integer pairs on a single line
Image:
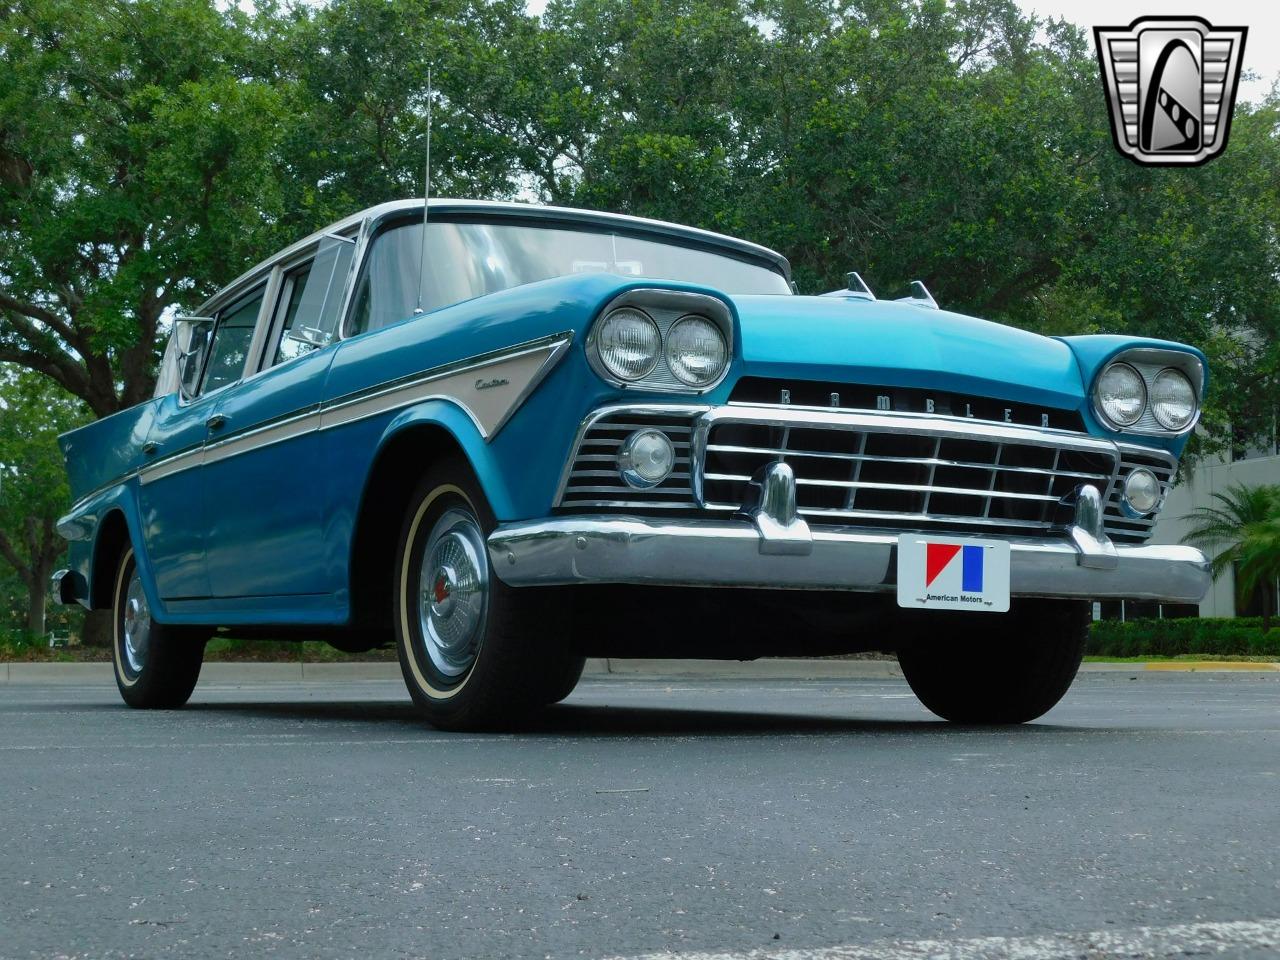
{"points": [[230, 344], [291, 299], [314, 300]]}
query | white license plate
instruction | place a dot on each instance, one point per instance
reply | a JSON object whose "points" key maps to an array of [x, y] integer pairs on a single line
{"points": [[953, 573]]}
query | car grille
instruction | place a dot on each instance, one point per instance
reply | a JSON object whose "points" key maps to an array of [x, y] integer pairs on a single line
{"points": [[890, 478], [594, 482], [1124, 529], [869, 476]]}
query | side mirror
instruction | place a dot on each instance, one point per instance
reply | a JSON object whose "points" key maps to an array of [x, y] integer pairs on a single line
{"points": [[312, 338]]}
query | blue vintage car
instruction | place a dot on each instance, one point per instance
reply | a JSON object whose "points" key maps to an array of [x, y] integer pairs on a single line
{"points": [[505, 437]]}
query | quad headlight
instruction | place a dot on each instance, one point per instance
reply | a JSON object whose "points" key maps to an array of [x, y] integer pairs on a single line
{"points": [[1148, 391], [666, 341], [696, 351], [628, 343], [1173, 399], [1121, 395]]}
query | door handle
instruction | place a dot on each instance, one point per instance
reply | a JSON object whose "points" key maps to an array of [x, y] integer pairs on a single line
{"points": [[216, 422], [151, 448]]}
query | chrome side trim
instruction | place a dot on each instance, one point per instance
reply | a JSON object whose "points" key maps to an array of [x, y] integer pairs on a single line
{"points": [[726, 553], [526, 364], [266, 434], [530, 361]]}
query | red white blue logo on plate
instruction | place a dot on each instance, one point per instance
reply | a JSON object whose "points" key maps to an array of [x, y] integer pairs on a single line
{"points": [[952, 574]]}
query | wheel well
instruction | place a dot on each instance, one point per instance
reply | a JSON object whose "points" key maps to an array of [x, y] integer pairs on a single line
{"points": [[113, 537], [391, 483]]}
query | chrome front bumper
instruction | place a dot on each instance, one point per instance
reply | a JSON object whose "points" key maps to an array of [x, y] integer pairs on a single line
{"points": [[771, 547]]}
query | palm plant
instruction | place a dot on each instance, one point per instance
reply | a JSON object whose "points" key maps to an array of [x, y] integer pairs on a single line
{"points": [[1243, 531]]}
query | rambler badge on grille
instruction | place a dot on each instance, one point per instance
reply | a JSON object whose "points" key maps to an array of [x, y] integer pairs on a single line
{"points": [[884, 402]]}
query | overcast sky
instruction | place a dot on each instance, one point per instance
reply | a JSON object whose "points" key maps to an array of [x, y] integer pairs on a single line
{"points": [[1261, 48], [1262, 17]]}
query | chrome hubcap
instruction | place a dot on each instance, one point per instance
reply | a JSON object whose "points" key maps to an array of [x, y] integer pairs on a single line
{"points": [[137, 626], [453, 593]]}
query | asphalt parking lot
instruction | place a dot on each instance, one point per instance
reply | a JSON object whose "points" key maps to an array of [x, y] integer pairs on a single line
{"points": [[833, 819]]}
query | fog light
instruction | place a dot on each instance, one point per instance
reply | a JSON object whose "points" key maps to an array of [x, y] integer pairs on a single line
{"points": [[646, 458], [1141, 491]]}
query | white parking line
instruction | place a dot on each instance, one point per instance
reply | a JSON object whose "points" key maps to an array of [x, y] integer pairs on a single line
{"points": [[1142, 943]]}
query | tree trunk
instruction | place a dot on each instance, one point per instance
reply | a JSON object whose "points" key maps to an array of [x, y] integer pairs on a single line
{"points": [[35, 608], [97, 629]]}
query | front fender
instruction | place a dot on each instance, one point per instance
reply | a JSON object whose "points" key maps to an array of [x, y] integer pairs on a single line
{"points": [[454, 420]]}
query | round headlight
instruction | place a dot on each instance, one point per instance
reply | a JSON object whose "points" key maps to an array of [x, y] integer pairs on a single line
{"points": [[1122, 395], [628, 343], [1141, 491], [696, 351], [1173, 399], [646, 458]]}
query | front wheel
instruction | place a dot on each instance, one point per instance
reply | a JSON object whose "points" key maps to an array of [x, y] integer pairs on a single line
{"points": [[995, 668], [475, 653], [156, 665]]}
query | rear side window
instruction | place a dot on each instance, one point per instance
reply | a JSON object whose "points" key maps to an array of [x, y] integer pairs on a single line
{"points": [[291, 348], [231, 339], [313, 304]]}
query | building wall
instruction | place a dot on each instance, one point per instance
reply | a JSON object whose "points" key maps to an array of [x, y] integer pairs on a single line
{"points": [[1195, 490]]}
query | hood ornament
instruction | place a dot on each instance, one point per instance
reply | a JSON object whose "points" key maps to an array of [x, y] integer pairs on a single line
{"points": [[856, 289], [919, 296]]}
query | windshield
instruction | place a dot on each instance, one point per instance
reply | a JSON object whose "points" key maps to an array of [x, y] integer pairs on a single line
{"points": [[466, 260]]}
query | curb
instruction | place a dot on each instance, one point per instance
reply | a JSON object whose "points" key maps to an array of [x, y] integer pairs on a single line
{"points": [[597, 668]]}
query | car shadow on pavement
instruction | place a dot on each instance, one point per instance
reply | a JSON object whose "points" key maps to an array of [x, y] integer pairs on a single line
{"points": [[587, 720]]}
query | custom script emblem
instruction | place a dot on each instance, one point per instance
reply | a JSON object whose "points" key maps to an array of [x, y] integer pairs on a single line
{"points": [[1171, 86], [490, 384]]}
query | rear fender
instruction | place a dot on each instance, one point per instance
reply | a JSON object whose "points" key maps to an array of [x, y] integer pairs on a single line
{"points": [[91, 527]]}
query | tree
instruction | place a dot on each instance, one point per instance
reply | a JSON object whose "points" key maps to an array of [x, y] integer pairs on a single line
{"points": [[136, 173], [33, 484], [1243, 533]]}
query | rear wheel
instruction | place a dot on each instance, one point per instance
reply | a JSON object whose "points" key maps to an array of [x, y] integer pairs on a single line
{"points": [[559, 688], [475, 653], [156, 665], [996, 668]]}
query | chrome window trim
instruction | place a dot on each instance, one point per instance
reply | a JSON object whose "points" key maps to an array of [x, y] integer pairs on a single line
{"points": [[370, 218]]}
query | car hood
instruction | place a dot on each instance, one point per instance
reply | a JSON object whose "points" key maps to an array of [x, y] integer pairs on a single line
{"points": [[886, 343]]}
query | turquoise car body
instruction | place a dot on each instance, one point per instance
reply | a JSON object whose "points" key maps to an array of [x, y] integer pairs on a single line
{"points": [[266, 533]]}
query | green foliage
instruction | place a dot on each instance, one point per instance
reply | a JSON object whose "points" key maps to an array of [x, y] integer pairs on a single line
{"points": [[1216, 636], [33, 487], [137, 171], [152, 149], [1242, 531]]}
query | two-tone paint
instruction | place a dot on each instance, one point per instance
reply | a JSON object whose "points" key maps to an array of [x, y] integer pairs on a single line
{"points": [[242, 505]]}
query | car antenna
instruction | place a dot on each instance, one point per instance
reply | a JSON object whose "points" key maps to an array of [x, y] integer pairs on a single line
{"points": [[426, 198]]}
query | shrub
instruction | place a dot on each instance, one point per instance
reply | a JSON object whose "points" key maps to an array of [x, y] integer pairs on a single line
{"points": [[1224, 636]]}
